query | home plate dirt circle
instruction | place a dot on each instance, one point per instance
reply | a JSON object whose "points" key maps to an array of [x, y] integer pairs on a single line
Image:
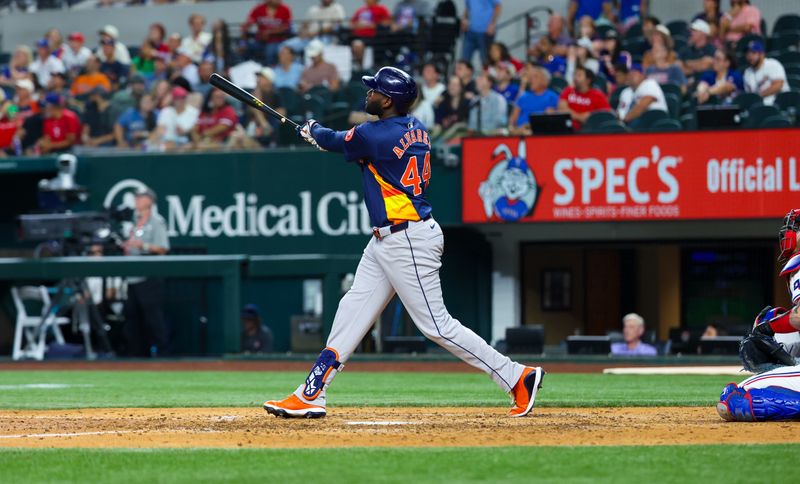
{"points": [[370, 427]]}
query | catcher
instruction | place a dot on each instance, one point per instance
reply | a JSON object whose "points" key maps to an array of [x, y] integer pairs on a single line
{"points": [[771, 349]]}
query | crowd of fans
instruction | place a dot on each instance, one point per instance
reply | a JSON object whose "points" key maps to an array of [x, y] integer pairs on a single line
{"points": [[92, 91]]}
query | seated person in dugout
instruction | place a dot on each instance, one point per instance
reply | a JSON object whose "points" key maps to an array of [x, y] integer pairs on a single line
{"points": [[632, 331], [771, 349]]}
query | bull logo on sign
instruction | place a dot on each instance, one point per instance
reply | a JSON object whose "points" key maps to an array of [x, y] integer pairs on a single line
{"points": [[510, 192]]}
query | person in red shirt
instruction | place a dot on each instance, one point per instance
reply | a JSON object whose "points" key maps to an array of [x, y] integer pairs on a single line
{"points": [[366, 20], [62, 128], [273, 21], [216, 122], [582, 100]]}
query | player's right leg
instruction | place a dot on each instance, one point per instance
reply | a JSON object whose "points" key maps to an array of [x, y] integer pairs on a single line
{"points": [[357, 311]]}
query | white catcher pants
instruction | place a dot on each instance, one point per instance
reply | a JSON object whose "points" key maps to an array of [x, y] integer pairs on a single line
{"points": [[408, 262]]}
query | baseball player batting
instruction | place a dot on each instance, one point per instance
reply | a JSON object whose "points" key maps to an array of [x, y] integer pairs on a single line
{"points": [[773, 393], [404, 254]]}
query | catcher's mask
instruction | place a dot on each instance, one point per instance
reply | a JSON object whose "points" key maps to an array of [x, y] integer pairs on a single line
{"points": [[787, 237]]}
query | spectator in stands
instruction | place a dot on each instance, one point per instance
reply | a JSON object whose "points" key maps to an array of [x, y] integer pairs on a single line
{"points": [[98, 125], [466, 74], [59, 84], [62, 128], [632, 331], [587, 28], [452, 111], [765, 77], [697, 56], [578, 9], [90, 79], [641, 95], [173, 43], [724, 83], [273, 21], [489, 111], [216, 122], [287, 72], [144, 62], [18, 68], [175, 122], [405, 17], [498, 53], [611, 54], [162, 94], [133, 128], [324, 20], [479, 24], [260, 127], [538, 99], [548, 59], [581, 55], [55, 41], [743, 19], [145, 329], [559, 35], [582, 100], [185, 67], [256, 336], [319, 73], [712, 15], [368, 18], [75, 53], [204, 71], [157, 36], [161, 69], [649, 25], [45, 64], [121, 54], [431, 86], [665, 69], [627, 12], [661, 37], [503, 85], [362, 63], [116, 71], [23, 99], [196, 42], [219, 48]]}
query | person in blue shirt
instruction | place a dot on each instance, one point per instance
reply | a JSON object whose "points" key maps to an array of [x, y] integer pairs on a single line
{"points": [[538, 99], [134, 125], [402, 257], [578, 9], [287, 71], [479, 24], [723, 83]]}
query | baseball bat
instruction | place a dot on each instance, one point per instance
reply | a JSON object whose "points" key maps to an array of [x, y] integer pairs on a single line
{"points": [[237, 92]]}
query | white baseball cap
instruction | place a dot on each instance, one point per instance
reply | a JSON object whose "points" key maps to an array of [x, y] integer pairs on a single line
{"points": [[26, 84], [314, 48], [110, 31], [701, 25], [664, 30], [266, 72]]}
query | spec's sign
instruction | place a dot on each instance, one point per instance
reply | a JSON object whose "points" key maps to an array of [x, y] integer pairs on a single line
{"points": [[698, 175]]}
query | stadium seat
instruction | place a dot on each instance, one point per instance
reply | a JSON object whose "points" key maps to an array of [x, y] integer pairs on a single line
{"points": [[747, 99], [601, 83], [789, 58], [673, 105], [789, 104], [636, 46], [786, 22], [786, 41], [337, 115], [314, 106], [558, 84], [291, 100], [794, 82], [287, 135], [33, 322], [758, 113], [633, 31], [667, 124], [321, 91], [613, 99], [612, 127], [777, 121], [671, 88], [597, 118], [353, 94], [678, 28], [648, 118], [689, 121]]}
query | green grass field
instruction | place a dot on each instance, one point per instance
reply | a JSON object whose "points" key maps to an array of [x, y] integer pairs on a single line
{"points": [[684, 464]]}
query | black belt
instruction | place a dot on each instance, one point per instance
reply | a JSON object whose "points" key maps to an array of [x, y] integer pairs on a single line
{"points": [[381, 232]]}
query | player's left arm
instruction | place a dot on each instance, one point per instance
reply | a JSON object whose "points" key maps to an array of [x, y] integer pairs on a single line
{"points": [[353, 143], [794, 317], [327, 138]]}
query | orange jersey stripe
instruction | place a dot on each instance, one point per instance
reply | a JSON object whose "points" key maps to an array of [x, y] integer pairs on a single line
{"points": [[398, 206]]}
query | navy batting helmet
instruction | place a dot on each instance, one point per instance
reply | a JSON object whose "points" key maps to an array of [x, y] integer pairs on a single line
{"points": [[395, 84]]}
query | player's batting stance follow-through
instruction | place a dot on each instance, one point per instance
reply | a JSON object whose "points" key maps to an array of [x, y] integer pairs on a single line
{"points": [[403, 256]]}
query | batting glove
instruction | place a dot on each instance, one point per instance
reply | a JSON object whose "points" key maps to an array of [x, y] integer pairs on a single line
{"points": [[305, 132]]}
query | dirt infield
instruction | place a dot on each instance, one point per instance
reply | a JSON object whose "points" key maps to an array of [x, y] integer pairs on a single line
{"points": [[371, 427]]}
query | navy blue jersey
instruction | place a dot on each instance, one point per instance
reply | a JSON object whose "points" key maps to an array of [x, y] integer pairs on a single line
{"points": [[395, 160]]}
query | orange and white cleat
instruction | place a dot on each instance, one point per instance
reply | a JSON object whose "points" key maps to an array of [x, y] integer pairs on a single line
{"points": [[525, 390], [294, 407]]}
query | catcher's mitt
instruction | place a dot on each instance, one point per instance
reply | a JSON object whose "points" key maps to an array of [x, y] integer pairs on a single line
{"points": [[760, 353]]}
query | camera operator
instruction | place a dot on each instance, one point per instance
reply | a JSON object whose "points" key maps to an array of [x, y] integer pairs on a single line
{"points": [[145, 328]]}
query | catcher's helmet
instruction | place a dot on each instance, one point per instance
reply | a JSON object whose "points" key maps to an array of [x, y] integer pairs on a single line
{"points": [[394, 84], [787, 236]]}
